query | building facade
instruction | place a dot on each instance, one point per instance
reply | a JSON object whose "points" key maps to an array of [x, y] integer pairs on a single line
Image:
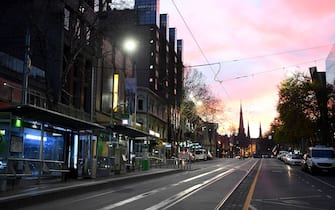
{"points": [[72, 100]]}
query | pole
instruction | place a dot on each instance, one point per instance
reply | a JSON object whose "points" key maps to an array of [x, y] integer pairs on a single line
{"points": [[92, 92], [135, 103], [41, 153], [26, 68]]}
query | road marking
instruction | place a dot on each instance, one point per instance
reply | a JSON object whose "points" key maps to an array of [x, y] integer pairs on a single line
{"points": [[220, 204], [252, 188], [252, 207], [171, 201], [294, 201], [143, 195]]}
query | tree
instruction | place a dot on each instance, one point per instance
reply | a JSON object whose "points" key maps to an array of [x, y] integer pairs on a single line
{"points": [[199, 105], [298, 112], [196, 90]]}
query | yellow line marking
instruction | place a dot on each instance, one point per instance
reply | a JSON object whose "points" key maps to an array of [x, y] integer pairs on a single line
{"points": [[252, 188]]}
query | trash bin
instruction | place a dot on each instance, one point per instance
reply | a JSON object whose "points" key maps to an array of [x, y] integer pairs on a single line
{"points": [[145, 165]]}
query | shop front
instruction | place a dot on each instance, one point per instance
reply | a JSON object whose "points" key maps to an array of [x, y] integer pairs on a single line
{"points": [[35, 142]]}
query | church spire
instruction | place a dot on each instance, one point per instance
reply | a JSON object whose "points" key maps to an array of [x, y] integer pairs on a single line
{"points": [[260, 131], [248, 132], [241, 130]]}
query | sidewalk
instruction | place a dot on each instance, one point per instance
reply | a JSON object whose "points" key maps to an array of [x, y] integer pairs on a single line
{"points": [[47, 189]]}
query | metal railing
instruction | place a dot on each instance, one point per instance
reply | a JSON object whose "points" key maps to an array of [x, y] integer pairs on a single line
{"points": [[21, 167]]}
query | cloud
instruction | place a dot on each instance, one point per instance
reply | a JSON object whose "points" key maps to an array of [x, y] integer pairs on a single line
{"points": [[250, 39]]}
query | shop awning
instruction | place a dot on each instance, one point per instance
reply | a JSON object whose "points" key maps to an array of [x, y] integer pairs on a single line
{"points": [[129, 131], [39, 114]]}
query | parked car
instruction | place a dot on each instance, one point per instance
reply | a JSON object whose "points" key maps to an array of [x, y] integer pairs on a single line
{"points": [[319, 159], [284, 157], [200, 154], [293, 159], [281, 154]]}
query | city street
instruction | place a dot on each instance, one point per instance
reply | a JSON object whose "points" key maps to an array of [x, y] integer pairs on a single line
{"points": [[281, 186], [215, 184]]}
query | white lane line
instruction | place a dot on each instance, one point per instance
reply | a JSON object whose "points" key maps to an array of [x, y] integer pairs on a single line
{"points": [[171, 201], [93, 196], [129, 200], [140, 196]]}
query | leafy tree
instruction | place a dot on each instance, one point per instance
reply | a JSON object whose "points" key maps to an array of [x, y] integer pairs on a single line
{"points": [[298, 112]]}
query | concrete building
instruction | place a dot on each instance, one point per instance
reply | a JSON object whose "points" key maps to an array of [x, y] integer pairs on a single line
{"points": [[63, 91], [73, 102], [330, 67], [159, 69]]}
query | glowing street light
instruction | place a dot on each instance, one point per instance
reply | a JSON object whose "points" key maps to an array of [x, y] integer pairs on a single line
{"points": [[130, 45]]}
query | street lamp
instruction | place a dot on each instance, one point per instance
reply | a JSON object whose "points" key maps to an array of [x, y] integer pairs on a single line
{"points": [[130, 46]]}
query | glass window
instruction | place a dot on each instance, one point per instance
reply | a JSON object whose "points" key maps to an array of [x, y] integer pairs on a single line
{"points": [[53, 145], [323, 153]]}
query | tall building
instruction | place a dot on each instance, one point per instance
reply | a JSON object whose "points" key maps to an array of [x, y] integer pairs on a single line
{"points": [[159, 68], [47, 72], [72, 98], [76, 96], [148, 12]]}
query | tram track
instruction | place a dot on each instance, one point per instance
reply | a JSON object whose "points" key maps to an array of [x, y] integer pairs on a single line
{"points": [[233, 198]]}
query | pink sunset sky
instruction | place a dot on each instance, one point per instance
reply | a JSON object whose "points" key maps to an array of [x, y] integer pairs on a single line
{"points": [[258, 44]]}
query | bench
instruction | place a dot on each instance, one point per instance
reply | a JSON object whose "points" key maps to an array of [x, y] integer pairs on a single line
{"points": [[56, 169]]}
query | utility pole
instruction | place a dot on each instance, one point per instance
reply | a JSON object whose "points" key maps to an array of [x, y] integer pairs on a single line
{"points": [[26, 68]]}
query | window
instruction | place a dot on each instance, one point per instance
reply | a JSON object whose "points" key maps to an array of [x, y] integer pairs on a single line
{"points": [[66, 19], [140, 104]]}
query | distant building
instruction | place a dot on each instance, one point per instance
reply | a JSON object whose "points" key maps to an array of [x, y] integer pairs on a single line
{"points": [[242, 140], [330, 67]]}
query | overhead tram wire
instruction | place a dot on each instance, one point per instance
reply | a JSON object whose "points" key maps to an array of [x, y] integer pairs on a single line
{"points": [[271, 70], [265, 55], [196, 42], [239, 59], [201, 51], [278, 53], [234, 60]]}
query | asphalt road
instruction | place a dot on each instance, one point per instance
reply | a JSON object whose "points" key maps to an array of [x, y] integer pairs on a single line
{"points": [[216, 184], [281, 186]]}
